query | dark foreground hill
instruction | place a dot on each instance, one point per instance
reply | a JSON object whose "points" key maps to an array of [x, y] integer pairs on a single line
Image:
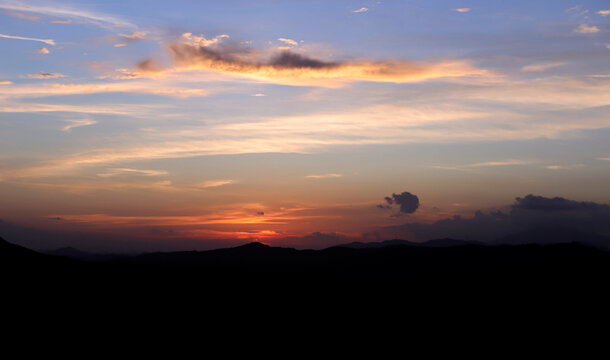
{"points": [[255, 280], [443, 261]]}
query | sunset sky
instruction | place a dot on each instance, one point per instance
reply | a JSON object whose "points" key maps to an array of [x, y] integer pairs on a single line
{"points": [[142, 125]]}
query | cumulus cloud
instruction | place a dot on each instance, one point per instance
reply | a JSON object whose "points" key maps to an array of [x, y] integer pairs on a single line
{"points": [[43, 51], [46, 41], [532, 202], [286, 67], [408, 202], [529, 213], [586, 29]]}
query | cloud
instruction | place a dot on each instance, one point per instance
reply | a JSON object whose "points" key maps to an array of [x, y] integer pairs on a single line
{"points": [[528, 213], [462, 10], [604, 12], [97, 18], [114, 172], [469, 167], [289, 41], [324, 176], [407, 201], [134, 37], [563, 167], [540, 67], [500, 163], [577, 11], [5, 82], [215, 183], [21, 15], [290, 68], [604, 159], [141, 87], [586, 29], [61, 21], [78, 123], [258, 94], [44, 75], [361, 10], [119, 45], [541, 203], [43, 51], [46, 41]]}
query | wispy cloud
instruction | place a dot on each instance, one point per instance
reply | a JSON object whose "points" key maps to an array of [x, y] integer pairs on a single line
{"points": [[20, 15], [214, 183], [133, 37], [462, 10], [324, 176], [604, 12], [46, 41], [44, 75], [78, 123], [114, 172], [604, 159], [540, 67], [361, 10], [61, 21], [61, 11], [563, 167], [586, 29], [5, 82], [500, 163], [136, 86], [43, 51], [289, 41]]}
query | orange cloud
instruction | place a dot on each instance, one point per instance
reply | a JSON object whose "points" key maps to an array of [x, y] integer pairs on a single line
{"points": [[289, 68]]}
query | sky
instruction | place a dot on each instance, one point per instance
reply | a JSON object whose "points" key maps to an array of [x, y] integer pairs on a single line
{"points": [[144, 125]]}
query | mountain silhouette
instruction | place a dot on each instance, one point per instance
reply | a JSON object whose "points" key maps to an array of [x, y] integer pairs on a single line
{"points": [[397, 242]]}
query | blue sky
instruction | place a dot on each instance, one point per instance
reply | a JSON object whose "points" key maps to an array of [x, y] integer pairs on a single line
{"points": [[278, 119]]}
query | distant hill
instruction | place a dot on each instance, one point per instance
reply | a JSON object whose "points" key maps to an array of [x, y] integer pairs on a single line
{"points": [[73, 253], [556, 236], [436, 243]]}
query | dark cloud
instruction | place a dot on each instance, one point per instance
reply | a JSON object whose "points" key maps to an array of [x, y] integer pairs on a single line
{"points": [[531, 213], [290, 60], [221, 54], [260, 213], [230, 57], [532, 202], [407, 201]]}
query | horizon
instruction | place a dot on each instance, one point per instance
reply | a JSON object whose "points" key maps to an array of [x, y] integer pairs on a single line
{"points": [[132, 126]]}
